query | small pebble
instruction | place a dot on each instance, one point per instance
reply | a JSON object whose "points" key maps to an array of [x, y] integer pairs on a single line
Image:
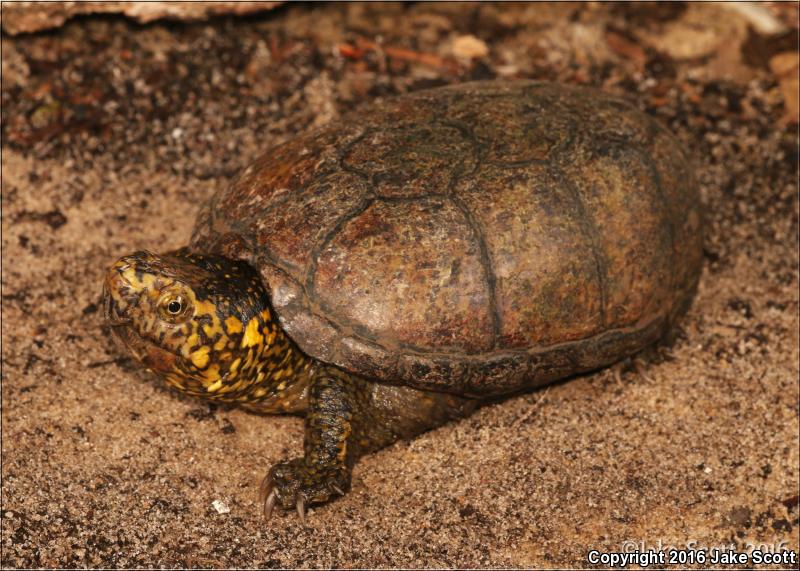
{"points": [[221, 507], [469, 47]]}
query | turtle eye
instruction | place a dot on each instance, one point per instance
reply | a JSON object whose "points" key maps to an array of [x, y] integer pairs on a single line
{"points": [[173, 307]]}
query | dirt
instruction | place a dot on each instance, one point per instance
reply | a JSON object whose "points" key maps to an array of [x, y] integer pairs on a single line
{"points": [[113, 135]]}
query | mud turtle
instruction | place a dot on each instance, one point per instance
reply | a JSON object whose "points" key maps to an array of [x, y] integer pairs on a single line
{"points": [[387, 273]]}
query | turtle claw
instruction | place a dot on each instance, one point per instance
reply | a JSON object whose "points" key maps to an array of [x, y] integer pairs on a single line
{"points": [[616, 373], [269, 505], [641, 370], [267, 496], [295, 485]]}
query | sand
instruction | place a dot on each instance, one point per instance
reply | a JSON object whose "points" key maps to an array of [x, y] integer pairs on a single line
{"points": [[113, 135]]}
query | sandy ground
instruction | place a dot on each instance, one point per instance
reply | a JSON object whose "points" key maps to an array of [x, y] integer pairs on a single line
{"points": [[114, 133]]}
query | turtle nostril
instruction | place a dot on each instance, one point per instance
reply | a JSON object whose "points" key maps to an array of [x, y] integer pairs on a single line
{"points": [[115, 280]]}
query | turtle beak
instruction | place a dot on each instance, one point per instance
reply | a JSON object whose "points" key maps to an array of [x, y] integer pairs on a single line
{"points": [[118, 295], [113, 316]]}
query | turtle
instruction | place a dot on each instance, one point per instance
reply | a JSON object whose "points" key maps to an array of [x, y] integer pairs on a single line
{"points": [[393, 270]]}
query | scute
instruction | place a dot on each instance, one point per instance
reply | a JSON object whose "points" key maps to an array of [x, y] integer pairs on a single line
{"points": [[631, 235], [517, 129], [547, 288], [412, 161], [290, 231], [407, 274], [479, 239]]}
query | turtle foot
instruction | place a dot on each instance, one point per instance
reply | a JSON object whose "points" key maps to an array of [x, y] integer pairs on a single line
{"points": [[296, 485]]}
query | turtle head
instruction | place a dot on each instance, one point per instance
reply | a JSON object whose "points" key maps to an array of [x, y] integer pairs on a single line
{"points": [[199, 321]]}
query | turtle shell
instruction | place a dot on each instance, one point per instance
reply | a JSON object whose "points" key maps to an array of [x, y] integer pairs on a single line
{"points": [[479, 239]]}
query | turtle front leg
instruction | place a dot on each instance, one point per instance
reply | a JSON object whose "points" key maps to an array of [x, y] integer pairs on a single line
{"points": [[325, 467], [347, 417]]}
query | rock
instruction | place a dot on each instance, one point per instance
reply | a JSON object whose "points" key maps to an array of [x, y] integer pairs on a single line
{"points": [[25, 17], [221, 507], [785, 66], [711, 35], [699, 33]]}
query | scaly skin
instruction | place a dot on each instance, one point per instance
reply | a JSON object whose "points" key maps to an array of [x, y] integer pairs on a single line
{"points": [[204, 323]]}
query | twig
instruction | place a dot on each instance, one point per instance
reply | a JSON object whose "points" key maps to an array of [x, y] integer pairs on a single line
{"points": [[363, 46]]}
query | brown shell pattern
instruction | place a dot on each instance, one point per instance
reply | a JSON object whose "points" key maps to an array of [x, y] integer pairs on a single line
{"points": [[479, 239]]}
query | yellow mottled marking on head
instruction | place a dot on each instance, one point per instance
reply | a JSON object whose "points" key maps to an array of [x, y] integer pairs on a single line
{"points": [[259, 392], [235, 365], [211, 329], [265, 315], [130, 275], [233, 324], [220, 345], [204, 307], [200, 357], [252, 336], [214, 387], [192, 340], [270, 337]]}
